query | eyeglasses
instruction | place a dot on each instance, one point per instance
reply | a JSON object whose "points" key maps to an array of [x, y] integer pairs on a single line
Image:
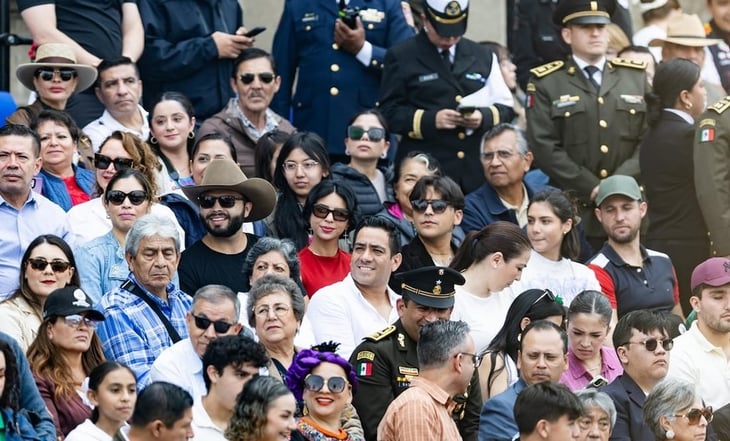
{"points": [[264, 77], [375, 134], [264, 311], [314, 383], [291, 166], [651, 344], [102, 162], [477, 358], [117, 197], [322, 211], [75, 320], [220, 326], [501, 154], [437, 205], [47, 74], [225, 201], [57, 265], [586, 423], [693, 415]]}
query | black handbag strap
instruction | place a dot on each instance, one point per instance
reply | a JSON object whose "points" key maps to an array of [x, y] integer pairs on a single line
{"points": [[136, 290]]}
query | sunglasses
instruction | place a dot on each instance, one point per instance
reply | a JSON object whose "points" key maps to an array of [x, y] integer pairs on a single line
{"points": [[225, 201], [549, 294], [219, 326], [75, 320], [693, 415], [437, 205], [264, 77], [322, 211], [102, 162], [314, 383], [40, 264], [117, 197], [375, 134], [47, 74], [651, 344]]}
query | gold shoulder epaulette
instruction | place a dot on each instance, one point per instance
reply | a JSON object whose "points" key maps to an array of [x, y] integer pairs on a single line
{"points": [[546, 69], [634, 64], [721, 105], [377, 336]]}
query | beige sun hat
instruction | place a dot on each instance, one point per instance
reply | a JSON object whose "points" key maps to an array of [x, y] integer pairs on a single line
{"points": [[685, 30], [56, 55], [224, 174]]}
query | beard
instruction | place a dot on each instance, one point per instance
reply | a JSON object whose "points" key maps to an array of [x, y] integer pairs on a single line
{"points": [[624, 238], [235, 223]]}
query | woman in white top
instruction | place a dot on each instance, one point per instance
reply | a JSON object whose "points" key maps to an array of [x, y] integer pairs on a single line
{"points": [[551, 227], [112, 390], [490, 260]]}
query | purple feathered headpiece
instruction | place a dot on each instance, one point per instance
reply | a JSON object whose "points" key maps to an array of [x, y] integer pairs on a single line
{"points": [[308, 359]]}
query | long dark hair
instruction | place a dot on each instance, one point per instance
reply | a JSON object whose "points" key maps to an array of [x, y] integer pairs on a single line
{"points": [[97, 376], [565, 209], [671, 78], [187, 106], [504, 237], [10, 394], [326, 188]]}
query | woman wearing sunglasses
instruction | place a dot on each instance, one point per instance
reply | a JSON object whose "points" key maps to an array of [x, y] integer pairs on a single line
{"points": [[47, 264], [172, 137], [366, 143], [323, 384], [102, 264], [264, 411], [674, 411], [303, 162], [61, 180], [498, 370], [64, 353], [332, 213], [119, 151]]}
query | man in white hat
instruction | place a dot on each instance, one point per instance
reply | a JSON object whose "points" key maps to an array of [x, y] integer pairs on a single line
{"points": [[227, 199]]}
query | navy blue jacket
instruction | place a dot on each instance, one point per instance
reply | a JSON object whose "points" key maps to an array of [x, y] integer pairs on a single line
{"points": [[332, 85], [368, 202], [629, 400], [483, 207]]}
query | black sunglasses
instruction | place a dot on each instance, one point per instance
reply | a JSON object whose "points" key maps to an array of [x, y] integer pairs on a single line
{"points": [[102, 162], [47, 74], [375, 134], [225, 201], [693, 415], [219, 326], [264, 77], [117, 197], [315, 383], [40, 264], [651, 344], [437, 205], [322, 211]]}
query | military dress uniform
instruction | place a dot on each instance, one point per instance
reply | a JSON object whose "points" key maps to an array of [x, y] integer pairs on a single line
{"points": [[332, 85], [580, 135], [712, 173]]}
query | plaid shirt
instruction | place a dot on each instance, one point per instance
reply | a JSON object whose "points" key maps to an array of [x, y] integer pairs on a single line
{"points": [[133, 334]]}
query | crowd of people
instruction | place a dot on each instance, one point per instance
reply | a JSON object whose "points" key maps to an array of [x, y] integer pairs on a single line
{"points": [[381, 230]]}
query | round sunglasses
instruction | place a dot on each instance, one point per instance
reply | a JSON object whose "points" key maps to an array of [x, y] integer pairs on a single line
{"points": [[117, 197], [693, 415], [651, 344], [315, 383]]}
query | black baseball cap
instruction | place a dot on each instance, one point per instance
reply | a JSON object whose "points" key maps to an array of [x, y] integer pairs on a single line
{"points": [[70, 300]]}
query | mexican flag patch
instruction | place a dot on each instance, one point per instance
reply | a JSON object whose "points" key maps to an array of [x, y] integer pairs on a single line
{"points": [[707, 134], [364, 369]]}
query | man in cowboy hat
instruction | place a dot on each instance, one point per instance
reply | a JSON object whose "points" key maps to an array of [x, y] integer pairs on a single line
{"points": [[686, 39], [424, 81], [227, 199]]}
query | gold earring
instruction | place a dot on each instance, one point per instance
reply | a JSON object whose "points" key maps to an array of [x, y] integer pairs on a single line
{"points": [[688, 106]]}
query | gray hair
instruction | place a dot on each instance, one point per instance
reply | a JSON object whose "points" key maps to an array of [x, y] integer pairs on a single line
{"points": [[216, 295], [439, 341], [522, 147], [149, 225], [593, 398], [264, 245], [666, 399], [272, 283]]}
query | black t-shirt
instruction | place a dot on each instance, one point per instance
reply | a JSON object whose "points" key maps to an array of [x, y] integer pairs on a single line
{"points": [[96, 25], [200, 266]]}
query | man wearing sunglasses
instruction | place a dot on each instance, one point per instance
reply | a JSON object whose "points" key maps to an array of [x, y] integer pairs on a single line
{"points": [[386, 362], [227, 199], [700, 354], [247, 116], [214, 314], [24, 214]]}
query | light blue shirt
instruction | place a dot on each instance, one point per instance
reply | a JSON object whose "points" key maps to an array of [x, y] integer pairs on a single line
{"points": [[18, 228]]}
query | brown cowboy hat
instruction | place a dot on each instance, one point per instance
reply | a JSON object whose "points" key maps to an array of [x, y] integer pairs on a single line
{"points": [[685, 30], [224, 174], [57, 55]]}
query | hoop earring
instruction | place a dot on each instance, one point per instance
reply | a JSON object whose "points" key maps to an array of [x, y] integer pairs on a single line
{"points": [[153, 140], [191, 135]]}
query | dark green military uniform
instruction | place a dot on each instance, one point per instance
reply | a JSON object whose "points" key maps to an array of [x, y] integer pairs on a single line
{"points": [[712, 173], [385, 363]]}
